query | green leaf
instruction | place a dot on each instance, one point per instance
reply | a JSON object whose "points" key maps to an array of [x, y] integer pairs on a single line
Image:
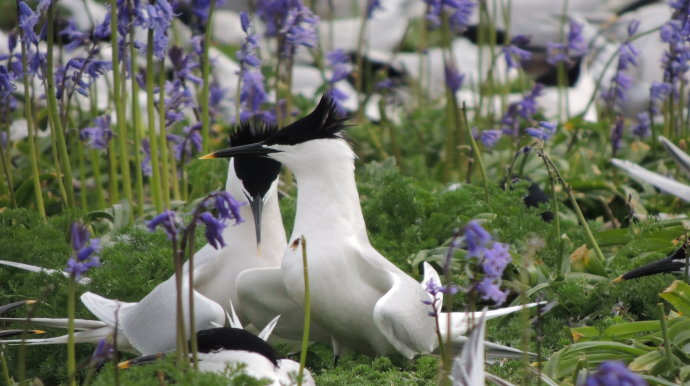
{"points": [[100, 214], [678, 294], [647, 361]]}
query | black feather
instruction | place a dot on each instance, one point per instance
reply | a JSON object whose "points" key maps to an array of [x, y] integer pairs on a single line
{"points": [[256, 173], [323, 123], [228, 338]]}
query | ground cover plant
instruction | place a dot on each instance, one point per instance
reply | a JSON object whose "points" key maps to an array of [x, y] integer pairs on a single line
{"points": [[458, 138]]}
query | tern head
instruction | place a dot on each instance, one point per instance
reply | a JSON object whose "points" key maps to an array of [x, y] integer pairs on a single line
{"points": [[259, 175], [309, 141], [672, 263]]}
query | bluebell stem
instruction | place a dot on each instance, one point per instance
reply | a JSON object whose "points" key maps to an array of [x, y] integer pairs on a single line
{"points": [[489, 138], [146, 166], [516, 50], [617, 135], [543, 132], [614, 373], [643, 127], [97, 137]]}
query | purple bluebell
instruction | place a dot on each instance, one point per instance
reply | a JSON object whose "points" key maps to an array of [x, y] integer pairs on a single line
{"points": [[216, 95], [97, 137], [299, 29], [4, 140], [461, 13], [12, 41], [614, 373], [617, 135], [574, 46], [453, 78], [622, 82], [79, 235], [543, 132], [183, 65], [490, 290], [6, 85], [643, 129], [202, 7], [526, 149], [184, 144], [496, 259], [658, 92], [103, 353], [384, 85], [214, 230], [527, 107], [490, 137], [273, 13], [516, 50], [75, 37], [168, 220], [228, 207], [372, 6], [27, 22], [337, 57], [146, 167], [84, 256], [476, 238], [252, 95], [247, 54], [338, 97]]}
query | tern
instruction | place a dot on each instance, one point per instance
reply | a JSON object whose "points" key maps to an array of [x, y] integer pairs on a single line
{"points": [[220, 347], [673, 263], [148, 327], [363, 301]]}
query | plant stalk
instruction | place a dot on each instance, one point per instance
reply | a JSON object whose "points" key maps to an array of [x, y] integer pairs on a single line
{"points": [[155, 179], [206, 91], [307, 314]]}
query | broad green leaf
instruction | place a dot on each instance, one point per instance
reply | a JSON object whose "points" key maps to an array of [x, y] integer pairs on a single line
{"points": [[100, 214], [678, 294], [584, 334], [652, 381], [647, 361], [632, 249], [611, 237]]}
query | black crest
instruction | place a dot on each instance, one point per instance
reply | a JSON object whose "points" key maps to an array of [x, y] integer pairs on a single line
{"points": [[323, 123], [228, 338], [257, 173]]}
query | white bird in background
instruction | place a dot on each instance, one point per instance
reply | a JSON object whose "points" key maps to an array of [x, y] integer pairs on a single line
{"points": [[148, 327], [360, 298], [220, 347]]}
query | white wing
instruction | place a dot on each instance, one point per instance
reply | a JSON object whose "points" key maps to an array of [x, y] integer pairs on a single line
{"points": [[679, 156], [151, 324], [79, 324], [400, 314], [468, 368], [104, 309], [33, 268], [666, 184]]}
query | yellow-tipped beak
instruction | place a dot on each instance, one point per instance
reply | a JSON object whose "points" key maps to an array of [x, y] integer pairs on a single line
{"points": [[208, 156], [31, 301], [123, 365], [36, 332], [618, 279]]}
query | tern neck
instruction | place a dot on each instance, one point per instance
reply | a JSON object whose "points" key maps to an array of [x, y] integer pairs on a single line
{"points": [[327, 200]]}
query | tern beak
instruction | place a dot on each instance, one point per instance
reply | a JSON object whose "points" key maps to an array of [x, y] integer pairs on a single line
{"points": [[254, 149], [8, 333], [666, 265], [257, 205], [140, 361], [10, 306]]}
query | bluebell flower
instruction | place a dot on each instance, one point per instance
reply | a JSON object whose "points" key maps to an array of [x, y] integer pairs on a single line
{"points": [[75, 37], [146, 167], [27, 22], [12, 41], [476, 238], [202, 7], [543, 132], [575, 45], [490, 290], [643, 129], [168, 220], [337, 57], [183, 65], [658, 92], [228, 207], [516, 50], [214, 230], [247, 54], [299, 29], [496, 259], [460, 12], [617, 135], [103, 353], [384, 85], [245, 21], [490, 137], [614, 373], [527, 107], [6, 85], [79, 235], [453, 78], [184, 143], [273, 14], [97, 137], [216, 95], [338, 97], [252, 95], [84, 256], [372, 6]]}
